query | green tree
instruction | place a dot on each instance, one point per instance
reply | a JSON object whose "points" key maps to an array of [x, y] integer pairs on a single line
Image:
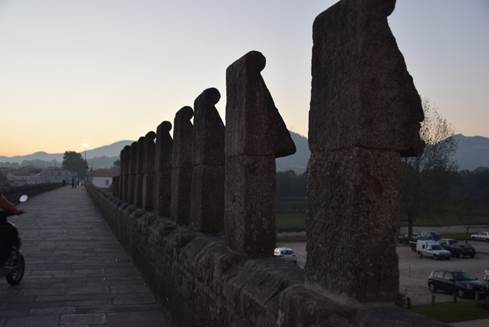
{"points": [[117, 163], [74, 162], [425, 179]]}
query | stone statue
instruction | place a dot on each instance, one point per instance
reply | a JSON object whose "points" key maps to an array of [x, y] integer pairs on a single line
{"points": [[181, 180], [207, 205], [365, 114], [255, 136]]}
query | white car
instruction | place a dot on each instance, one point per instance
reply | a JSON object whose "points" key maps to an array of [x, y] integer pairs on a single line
{"points": [[433, 249], [480, 236], [286, 253]]}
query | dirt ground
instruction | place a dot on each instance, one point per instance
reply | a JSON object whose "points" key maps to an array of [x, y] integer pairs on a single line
{"points": [[414, 271]]}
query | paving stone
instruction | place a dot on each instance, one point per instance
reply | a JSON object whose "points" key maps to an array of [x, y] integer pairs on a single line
{"points": [[34, 321], [125, 317], [52, 310], [78, 319]]}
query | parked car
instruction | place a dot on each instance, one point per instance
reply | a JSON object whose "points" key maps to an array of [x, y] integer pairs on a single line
{"points": [[462, 283], [457, 249], [434, 236], [286, 253], [480, 236], [486, 275], [432, 249]]}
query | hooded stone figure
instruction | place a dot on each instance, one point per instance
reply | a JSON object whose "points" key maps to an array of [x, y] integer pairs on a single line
{"points": [[365, 114], [255, 136], [207, 205], [163, 161], [181, 180]]}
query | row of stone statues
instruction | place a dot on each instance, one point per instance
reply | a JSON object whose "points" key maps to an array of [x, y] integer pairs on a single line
{"points": [[211, 177], [365, 114]]}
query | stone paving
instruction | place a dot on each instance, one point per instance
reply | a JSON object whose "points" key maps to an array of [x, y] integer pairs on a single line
{"points": [[77, 273]]}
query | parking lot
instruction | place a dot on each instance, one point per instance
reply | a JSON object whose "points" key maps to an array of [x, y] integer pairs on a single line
{"points": [[414, 271]]}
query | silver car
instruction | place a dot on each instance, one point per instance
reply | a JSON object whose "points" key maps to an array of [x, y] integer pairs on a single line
{"points": [[286, 253]]}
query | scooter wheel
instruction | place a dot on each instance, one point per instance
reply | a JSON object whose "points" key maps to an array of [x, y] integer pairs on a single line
{"points": [[16, 275]]}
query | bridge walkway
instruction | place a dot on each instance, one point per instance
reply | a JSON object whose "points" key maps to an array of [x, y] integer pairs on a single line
{"points": [[77, 273]]}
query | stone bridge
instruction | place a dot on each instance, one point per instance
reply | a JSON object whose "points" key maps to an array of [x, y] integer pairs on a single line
{"points": [[195, 210]]}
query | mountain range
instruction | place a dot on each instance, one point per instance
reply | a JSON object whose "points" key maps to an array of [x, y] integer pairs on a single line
{"points": [[472, 152]]}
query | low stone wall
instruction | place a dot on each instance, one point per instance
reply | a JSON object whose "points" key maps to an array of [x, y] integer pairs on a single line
{"points": [[203, 283], [13, 193]]}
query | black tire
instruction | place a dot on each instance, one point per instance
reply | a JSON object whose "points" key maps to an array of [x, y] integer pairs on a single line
{"points": [[16, 275], [432, 288], [461, 293]]}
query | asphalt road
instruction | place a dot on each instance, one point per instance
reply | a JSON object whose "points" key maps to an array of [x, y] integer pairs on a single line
{"points": [[414, 271]]}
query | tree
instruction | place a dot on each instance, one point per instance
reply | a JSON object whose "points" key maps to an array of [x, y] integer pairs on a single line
{"points": [[74, 162], [424, 178], [117, 163]]}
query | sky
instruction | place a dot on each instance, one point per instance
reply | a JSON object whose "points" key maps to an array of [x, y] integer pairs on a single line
{"points": [[95, 72]]}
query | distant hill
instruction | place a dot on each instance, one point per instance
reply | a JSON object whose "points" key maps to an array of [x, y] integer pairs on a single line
{"points": [[472, 153], [298, 161], [101, 157]]}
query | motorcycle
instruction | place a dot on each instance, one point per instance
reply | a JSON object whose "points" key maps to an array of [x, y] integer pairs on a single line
{"points": [[14, 267]]}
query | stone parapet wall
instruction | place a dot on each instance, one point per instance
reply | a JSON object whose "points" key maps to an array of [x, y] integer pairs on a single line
{"points": [[203, 283]]}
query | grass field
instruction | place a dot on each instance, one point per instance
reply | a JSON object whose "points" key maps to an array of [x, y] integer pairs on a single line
{"points": [[291, 214], [290, 221], [453, 312]]}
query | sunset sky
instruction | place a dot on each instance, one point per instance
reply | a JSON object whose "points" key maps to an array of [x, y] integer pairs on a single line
{"points": [[100, 71]]}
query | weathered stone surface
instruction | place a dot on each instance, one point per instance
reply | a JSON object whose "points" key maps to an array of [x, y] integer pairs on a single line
{"points": [[125, 171], [207, 205], [88, 282], [208, 148], [163, 162], [131, 194], [365, 113], [181, 180], [138, 191], [353, 222], [362, 93], [253, 124], [116, 186], [255, 136], [250, 204], [149, 148], [223, 288]]}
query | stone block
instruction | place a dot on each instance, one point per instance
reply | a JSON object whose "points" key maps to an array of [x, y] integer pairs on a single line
{"points": [[181, 180], [207, 206], [255, 136], [163, 167], [253, 124], [208, 130], [148, 192], [250, 204], [362, 93], [181, 183], [352, 223]]}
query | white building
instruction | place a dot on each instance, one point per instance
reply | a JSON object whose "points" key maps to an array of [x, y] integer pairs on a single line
{"points": [[102, 178]]}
